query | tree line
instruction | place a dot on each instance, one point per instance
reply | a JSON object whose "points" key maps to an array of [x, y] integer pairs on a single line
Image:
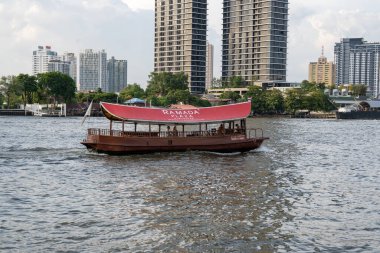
{"points": [[52, 87], [163, 89], [310, 96]]}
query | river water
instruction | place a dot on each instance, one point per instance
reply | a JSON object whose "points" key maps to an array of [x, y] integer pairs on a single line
{"points": [[313, 187]]}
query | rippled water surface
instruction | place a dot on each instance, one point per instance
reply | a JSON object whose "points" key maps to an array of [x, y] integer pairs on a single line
{"points": [[314, 186]]}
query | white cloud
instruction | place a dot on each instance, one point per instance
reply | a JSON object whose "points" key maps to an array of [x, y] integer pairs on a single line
{"points": [[125, 29], [215, 15], [136, 5], [323, 23], [72, 26]]}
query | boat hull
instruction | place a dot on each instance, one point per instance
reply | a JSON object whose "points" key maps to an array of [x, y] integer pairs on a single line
{"points": [[358, 115], [140, 145]]}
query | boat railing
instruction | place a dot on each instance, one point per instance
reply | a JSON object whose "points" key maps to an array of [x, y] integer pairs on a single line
{"points": [[255, 133], [250, 133]]}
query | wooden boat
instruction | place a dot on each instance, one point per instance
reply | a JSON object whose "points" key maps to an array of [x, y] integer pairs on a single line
{"points": [[174, 130]]}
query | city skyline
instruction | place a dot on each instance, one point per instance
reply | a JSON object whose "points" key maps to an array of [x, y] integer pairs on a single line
{"points": [[74, 25]]}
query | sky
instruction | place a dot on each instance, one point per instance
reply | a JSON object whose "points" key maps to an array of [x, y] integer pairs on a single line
{"points": [[125, 29]]}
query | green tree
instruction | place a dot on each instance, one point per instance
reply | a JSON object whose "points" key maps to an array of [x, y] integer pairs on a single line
{"points": [[97, 97], [331, 87], [294, 100], [183, 96], [317, 101], [230, 95], [312, 86], [233, 82], [59, 86], [132, 91], [160, 84], [4, 89], [153, 100], [169, 99], [217, 82], [2, 99], [196, 101], [257, 95], [359, 90], [28, 86], [11, 90], [236, 82], [274, 101], [105, 97]]}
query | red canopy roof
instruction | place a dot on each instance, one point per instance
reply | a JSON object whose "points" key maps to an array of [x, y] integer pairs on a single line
{"points": [[188, 116]]}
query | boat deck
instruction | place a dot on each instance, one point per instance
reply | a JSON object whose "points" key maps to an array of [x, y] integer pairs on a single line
{"points": [[125, 142]]}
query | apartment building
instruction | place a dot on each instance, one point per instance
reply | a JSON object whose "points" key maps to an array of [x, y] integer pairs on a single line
{"points": [[41, 58], [209, 65], [180, 39], [117, 74], [322, 71], [92, 70], [255, 40]]}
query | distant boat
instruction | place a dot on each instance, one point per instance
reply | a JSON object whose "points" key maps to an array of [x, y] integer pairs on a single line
{"points": [[219, 129], [362, 110]]}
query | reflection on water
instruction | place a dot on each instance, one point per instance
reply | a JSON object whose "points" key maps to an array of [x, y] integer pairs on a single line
{"points": [[314, 186]]}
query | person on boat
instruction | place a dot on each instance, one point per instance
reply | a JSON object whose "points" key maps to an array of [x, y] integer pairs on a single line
{"points": [[175, 132], [221, 129], [237, 129], [168, 130]]}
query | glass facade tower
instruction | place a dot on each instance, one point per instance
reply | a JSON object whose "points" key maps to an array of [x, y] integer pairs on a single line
{"points": [[255, 40], [180, 39]]}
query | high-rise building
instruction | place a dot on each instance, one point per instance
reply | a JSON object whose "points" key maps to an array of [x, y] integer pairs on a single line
{"points": [[46, 60], [365, 67], [342, 58], [116, 74], [358, 62], [92, 70], [322, 71], [41, 58], [209, 65], [255, 40], [180, 39], [72, 59], [59, 66]]}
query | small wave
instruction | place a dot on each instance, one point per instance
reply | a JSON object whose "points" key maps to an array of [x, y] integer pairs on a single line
{"points": [[221, 154], [262, 149], [42, 149], [34, 149]]}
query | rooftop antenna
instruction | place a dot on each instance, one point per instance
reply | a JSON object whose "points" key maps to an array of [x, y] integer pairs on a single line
{"points": [[323, 50]]}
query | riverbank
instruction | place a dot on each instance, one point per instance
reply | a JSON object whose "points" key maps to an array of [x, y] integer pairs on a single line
{"points": [[15, 112], [308, 115], [97, 113]]}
